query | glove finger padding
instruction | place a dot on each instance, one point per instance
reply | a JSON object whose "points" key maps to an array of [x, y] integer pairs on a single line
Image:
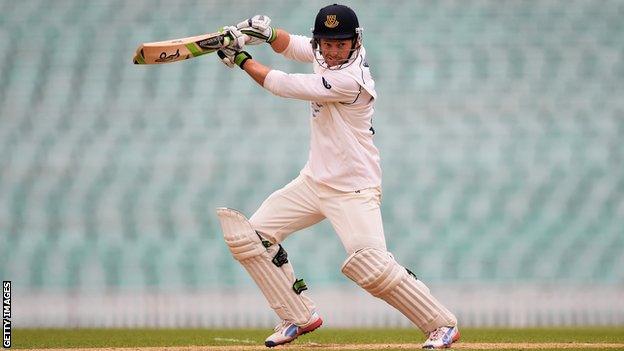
{"points": [[232, 58], [227, 57], [257, 29], [259, 22], [238, 38]]}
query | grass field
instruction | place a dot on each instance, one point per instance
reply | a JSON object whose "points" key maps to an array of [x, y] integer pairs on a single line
{"points": [[323, 339]]}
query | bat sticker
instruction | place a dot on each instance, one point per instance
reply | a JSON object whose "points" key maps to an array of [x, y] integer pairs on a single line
{"points": [[211, 43], [166, 58]]}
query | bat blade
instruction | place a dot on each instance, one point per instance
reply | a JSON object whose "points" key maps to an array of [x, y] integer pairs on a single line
{"points": [[179, 49]]}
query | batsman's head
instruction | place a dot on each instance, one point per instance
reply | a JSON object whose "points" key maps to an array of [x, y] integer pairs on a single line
{"points": [[336, 36]]}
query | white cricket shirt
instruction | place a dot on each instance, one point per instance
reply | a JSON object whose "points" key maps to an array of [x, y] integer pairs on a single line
{"points": [[342, 154]]}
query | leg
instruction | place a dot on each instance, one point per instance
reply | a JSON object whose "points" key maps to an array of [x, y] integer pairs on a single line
{"points": [[356, 217], [266, 265], [378, 273], [285, 211], [292, 208]]}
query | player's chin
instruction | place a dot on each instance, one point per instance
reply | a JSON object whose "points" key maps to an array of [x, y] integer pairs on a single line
{"points": [[334, 63]]}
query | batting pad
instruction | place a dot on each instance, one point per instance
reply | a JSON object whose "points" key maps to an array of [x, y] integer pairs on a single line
{"points": [[378, 273], [275, 282]]}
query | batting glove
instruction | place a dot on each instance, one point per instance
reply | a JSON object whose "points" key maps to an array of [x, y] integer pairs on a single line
{"points": [[237, 38], [258, 29], [231, 57]]}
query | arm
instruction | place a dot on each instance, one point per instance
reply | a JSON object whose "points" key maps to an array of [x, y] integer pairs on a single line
{"points": [[258, 30], [243, 59], [256, 70], [281, 41], [293, 47], [330, 87]]}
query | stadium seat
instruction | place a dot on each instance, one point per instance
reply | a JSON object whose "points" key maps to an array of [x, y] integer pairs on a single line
{"points": [[499, 126]]}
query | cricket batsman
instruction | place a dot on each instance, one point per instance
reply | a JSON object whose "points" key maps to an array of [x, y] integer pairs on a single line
{"points": [[341, 180]]}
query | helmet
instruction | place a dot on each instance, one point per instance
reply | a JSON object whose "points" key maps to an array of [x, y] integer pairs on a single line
{"points": [[335, 22]]}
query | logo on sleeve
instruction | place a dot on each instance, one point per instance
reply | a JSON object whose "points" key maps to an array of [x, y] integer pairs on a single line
{"points": [[325, 84]]}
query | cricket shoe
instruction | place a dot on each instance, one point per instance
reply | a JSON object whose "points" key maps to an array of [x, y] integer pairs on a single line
{"points": [[442, 338], [286, 332]]}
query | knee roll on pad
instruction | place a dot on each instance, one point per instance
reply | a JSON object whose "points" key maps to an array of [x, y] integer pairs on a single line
{"points": [[378, 273], [268, 266], [240, 237], [374, 270]]}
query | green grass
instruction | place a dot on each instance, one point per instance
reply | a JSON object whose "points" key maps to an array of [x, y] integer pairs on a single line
{"points": [[100, 338]]}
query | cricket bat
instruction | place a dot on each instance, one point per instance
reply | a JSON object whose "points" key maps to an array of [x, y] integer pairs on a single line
{"points": [[180, 49]]}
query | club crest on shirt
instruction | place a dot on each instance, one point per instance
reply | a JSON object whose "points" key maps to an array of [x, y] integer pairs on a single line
{"points": [[325, 84], [331, 21]]}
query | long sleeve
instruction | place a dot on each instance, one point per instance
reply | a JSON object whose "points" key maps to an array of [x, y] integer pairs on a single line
{"points": [[329, 87], [299, 49]]}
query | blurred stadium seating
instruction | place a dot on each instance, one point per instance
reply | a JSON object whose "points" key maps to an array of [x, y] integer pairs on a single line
{"points": [[500, 125]]}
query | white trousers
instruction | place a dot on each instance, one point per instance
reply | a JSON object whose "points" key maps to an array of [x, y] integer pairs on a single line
{"points": [[355, 216]]}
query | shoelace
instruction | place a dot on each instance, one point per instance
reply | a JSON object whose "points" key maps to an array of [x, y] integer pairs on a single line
{"points": [[281, 325], [437, 334]]}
